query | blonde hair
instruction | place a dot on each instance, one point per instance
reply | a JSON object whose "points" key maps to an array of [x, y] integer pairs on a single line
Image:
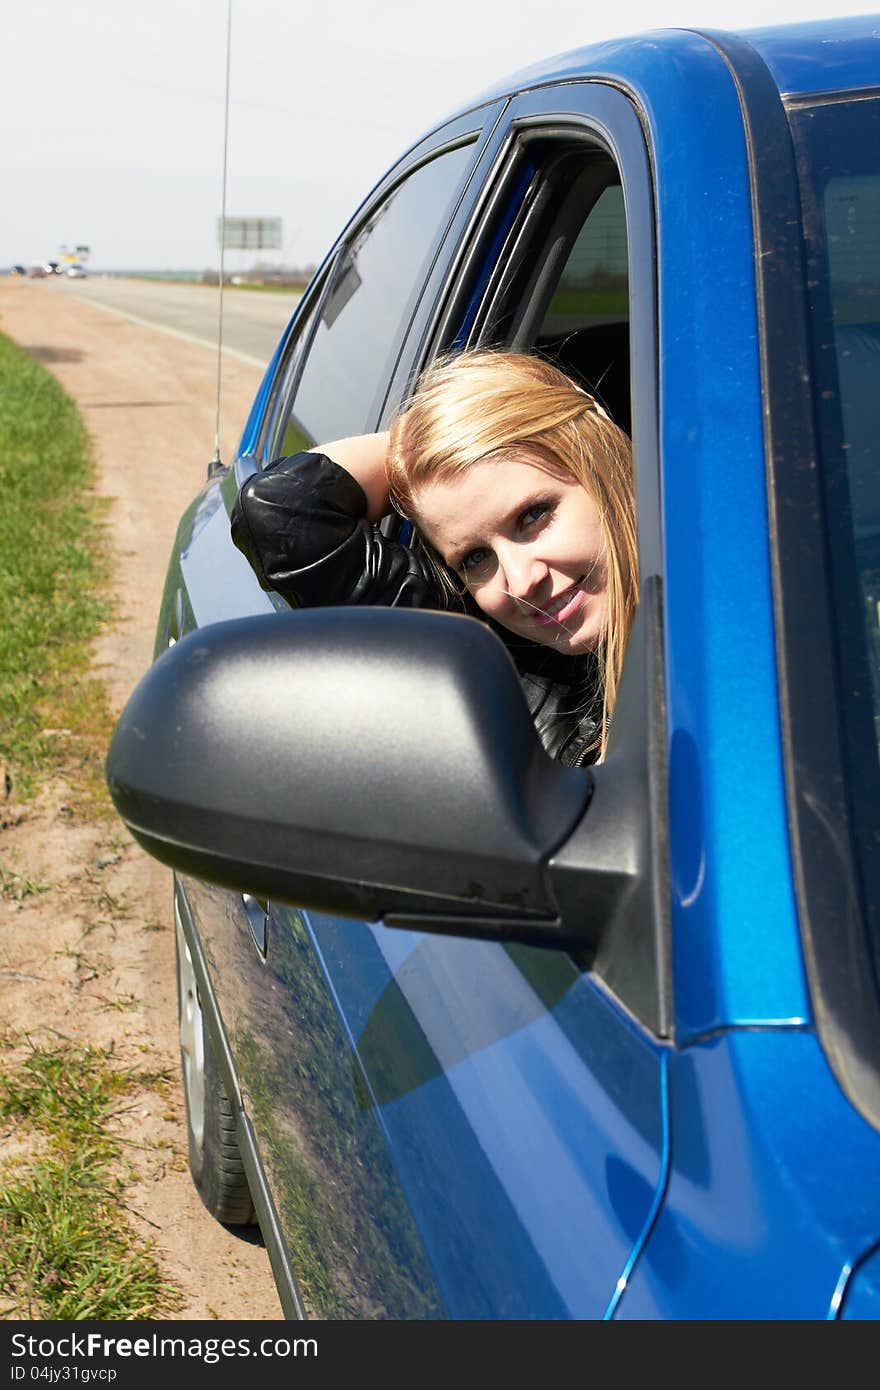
{"points": [[472, 405]]}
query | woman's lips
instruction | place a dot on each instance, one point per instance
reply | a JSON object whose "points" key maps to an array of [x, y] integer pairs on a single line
{"points": [[559, 615]]}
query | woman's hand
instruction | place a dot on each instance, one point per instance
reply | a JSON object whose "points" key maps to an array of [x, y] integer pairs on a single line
{"points": [[364, 456]]}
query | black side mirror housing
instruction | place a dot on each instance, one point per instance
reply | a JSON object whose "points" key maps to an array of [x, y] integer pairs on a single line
{"points": [[366, 761], [382, 763]]}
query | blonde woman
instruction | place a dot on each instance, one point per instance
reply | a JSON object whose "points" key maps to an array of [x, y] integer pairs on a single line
{"points": [[520, 491]]}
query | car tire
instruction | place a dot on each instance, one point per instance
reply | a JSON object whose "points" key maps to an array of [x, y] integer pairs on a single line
{"points": [[214, 1155]]}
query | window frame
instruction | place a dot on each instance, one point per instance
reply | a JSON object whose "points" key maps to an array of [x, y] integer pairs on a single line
{"points": [[609, 121]]}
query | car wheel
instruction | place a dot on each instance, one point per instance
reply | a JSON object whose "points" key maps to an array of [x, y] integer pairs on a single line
{"points": [[214, 1156]]}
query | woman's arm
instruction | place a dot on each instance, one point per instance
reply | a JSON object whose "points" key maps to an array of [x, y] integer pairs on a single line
{"points": [[302, 524], [364, 456]]}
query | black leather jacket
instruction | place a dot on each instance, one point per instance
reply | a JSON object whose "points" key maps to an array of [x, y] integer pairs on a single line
{"points": [[302, 524]]}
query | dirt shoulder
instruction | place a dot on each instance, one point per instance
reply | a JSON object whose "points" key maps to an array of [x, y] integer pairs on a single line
{"points": [[88, 951]]}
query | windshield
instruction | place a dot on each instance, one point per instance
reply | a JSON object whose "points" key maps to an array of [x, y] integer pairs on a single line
{"points": [[837, 147]]}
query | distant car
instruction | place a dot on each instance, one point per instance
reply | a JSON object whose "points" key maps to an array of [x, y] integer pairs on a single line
{"points": [[18, 270], [76, 271], [473, 1034]]}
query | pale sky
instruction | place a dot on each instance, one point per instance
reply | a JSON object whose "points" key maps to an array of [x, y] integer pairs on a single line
{"points": [[112, 112]]}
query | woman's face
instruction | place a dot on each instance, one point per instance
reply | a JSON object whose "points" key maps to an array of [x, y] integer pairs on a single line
{"points": [[528, 544]]}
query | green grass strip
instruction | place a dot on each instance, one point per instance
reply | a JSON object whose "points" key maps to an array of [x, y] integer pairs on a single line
{"points": [[52, 568], [66, 1251]]}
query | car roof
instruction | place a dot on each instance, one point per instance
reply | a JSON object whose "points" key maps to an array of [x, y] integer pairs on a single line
{"points": [[819, 56], [826, 56]]}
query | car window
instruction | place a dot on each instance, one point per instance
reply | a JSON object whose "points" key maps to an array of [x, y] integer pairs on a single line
{"points": [[549, 270], [372, 289], [552, 277], [592, 288], [839, 166], [586, 326], [285, 378]]}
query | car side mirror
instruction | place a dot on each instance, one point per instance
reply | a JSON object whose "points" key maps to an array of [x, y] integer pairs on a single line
{"points": [[378, 763]]}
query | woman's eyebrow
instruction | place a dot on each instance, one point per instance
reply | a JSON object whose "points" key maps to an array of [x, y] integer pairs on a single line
{"points": [[508, 518], [461, 551]]}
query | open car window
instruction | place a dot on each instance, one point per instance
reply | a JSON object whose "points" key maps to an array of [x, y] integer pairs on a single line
{"points": [[585, 329], [548, 271]]}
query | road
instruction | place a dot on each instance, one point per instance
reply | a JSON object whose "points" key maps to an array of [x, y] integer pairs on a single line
{"points": [[252, 321]]}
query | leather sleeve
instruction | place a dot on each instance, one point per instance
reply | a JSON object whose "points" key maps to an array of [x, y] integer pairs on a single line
{"points": [[301, 523]]}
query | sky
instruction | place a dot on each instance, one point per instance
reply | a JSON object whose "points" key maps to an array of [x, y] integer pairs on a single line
{"points": [[112, 111]]}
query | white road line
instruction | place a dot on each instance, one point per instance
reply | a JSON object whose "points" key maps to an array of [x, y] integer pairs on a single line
{"points": [[177, 333]]}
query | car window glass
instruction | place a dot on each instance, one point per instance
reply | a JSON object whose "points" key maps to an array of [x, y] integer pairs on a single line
{"points": [[367, 308], [840, 183], [289, 370], [837, 147], [585, 329], [553, 274], [592, 288]]}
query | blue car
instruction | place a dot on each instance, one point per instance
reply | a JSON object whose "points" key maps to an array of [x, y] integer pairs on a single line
{"points": [[471, 1034]]}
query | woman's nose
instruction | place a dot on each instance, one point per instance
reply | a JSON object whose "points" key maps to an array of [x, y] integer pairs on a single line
{"points": [[522, 572]]}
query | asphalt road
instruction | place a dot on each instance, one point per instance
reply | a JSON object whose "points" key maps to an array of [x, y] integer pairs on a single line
{"points": [[252, 321]]}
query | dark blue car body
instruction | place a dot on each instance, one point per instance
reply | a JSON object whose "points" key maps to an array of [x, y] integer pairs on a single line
{"points": [[438, 1127]]}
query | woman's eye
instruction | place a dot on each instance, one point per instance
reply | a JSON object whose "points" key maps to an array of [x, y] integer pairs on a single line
{"points": [[534, 513], [474, 561]]}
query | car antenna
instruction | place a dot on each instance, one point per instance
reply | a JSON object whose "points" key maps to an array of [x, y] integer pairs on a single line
{"points": [[216, 466]]}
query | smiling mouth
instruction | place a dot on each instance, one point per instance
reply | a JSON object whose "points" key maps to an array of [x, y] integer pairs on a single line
{"points": [[555, 611]]}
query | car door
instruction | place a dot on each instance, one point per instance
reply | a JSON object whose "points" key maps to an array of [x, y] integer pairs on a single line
{"points": [[342, 1222], [484, 1125]]}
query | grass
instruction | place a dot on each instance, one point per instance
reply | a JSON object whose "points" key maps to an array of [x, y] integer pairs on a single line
{"points": [[17, 886], [590, 303], [254, 288], [66, 1249], [54, 715], [260, 287]]}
